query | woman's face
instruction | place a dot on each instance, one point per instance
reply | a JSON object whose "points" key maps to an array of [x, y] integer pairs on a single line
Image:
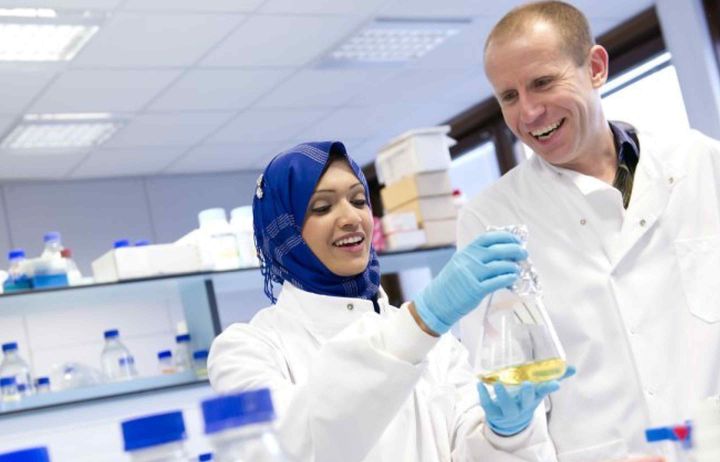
{"points": [[338, 221]]}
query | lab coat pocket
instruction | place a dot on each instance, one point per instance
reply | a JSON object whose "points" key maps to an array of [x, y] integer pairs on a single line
{"points": [[699, 261]]}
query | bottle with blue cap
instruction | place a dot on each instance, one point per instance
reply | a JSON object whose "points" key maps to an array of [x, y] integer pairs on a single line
{"points": [[200, 363], [53, 245], [51, 269], [165, 362], [116, 360], [42, 385], [156, 438], [182, 354], [18, 277], [239, 427], [206, 457], [120, 243], [13, 365], [38, 454], [9, 394], [217, 241]]}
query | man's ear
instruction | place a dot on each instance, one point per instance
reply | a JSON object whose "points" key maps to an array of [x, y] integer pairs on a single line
{"points": [[598, 65]]}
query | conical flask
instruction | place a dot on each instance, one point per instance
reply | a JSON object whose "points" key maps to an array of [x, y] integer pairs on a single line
{"points": [[518, 341]]}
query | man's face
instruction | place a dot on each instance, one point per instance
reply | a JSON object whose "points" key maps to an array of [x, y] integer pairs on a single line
{"points": [[547, 100]]}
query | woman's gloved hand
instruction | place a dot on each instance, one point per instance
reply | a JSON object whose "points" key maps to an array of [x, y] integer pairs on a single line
{"points": [[512, 412], [484, 266]]}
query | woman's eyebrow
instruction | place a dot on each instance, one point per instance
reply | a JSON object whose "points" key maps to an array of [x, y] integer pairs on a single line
{"points": [[333, 190]]}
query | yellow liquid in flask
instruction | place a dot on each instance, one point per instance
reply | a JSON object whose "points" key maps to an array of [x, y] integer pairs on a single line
{"points": [[538, 371]]}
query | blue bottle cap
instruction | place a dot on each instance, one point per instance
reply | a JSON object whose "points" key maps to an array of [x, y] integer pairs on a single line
{"points": [[126, 361], [164, 354], [16, 253], [142, 242], [236, 410], [205, 457], [39, 454], [51, 236], [10, 346], [7, 381], [111, 333], [200, 354], [182, 338], [21, 387], [42, 381], [121, 243], [153, 430]]}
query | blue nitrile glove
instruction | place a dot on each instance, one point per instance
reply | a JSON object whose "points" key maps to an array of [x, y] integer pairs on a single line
{"points": [[512, 412], [484, 266]]}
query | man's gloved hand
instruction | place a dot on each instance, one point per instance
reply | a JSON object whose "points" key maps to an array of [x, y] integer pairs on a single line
{"points": [[512, 412], [484, 266]]}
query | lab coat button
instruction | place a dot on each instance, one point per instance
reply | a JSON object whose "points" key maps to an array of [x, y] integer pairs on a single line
{"points": [[671, 180], [583, 221], [350, 306], [643, 222]]}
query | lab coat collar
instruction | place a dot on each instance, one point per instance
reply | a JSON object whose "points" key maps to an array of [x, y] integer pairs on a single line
{"points": [[323, 314]]}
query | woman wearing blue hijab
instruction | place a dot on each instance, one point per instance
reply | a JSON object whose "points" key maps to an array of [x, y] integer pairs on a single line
{"points": [[354, 378]]}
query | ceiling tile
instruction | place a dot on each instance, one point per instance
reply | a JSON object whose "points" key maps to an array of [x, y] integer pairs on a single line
{"points": [[25, 82], [223, 158], [322, 6], [322, 87], [63, 4], [167, 129], [103, 90], [259, 126], [37, 166], [193, 5], [6, 122], [218, 89], [123, 162], [155, 40], [280, 40]]}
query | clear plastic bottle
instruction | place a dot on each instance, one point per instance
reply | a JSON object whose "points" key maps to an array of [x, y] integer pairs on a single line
{"points": [[73, 273], [241, 223], [117, 362], [13, 365], [38, 454], [53, 245], [200, 363], [9, 392], [239, 427], [165, 362], [42, 385], [156, 438], [18, 278], [217, 240], [182, 354]]}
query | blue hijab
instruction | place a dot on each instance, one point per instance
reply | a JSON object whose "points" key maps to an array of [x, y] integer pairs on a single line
{"points": [[279, 205]]}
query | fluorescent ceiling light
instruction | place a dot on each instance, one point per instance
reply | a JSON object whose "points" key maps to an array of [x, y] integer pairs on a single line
{"points": [[61, 131], [42, 34], [394, 41]]}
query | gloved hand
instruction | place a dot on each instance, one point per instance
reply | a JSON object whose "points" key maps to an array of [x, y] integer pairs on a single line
{"points": [[512, 412], [484, 266]]}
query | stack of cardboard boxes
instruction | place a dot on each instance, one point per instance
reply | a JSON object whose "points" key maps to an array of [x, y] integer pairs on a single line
{"points": [[418, 196]]}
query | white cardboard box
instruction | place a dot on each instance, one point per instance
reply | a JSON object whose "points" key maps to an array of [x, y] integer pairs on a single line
{"points": [[419, 185], [405, 240], [430, 208], [146, 261], [440, 232], [398, 222], [415, 151]]}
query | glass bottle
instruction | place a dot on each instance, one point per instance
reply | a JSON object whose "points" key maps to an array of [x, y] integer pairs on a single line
{"points": [[165, 362], [117, 362], [13, 365], [200, 363], [182, 354], [156, 438], [519, 343]]}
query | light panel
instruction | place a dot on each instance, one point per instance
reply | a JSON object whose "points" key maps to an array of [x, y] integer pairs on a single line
{"points": [[61, 131]]}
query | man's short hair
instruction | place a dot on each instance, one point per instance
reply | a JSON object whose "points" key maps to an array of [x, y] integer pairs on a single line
{"points": [[569, 22]]}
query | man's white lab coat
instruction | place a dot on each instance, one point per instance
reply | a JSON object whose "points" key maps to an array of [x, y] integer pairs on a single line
{"points": [[634, 294], [351, 385]]}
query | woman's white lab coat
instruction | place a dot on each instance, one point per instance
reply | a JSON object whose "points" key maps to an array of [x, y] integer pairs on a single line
{"points": [[351, 385], [634, 294]]}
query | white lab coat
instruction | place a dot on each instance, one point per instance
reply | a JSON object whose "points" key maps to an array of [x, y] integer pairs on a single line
{"points": [[634, 294], [343, 393]]}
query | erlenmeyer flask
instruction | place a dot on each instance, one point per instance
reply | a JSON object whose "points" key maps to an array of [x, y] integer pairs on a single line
{"points": [[518, 341]]}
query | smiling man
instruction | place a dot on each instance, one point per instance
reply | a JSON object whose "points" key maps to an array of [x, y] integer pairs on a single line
{"points": [[624, 231]]}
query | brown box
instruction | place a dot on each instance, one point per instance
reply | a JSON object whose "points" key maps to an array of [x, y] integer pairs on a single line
{"points": [[430, 208], [414, 186]]}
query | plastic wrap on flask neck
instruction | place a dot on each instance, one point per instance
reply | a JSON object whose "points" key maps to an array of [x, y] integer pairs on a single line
{"points": [[528, 282]]}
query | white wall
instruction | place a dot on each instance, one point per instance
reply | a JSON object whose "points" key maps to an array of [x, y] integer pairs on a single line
{"points": [[92, 214]]}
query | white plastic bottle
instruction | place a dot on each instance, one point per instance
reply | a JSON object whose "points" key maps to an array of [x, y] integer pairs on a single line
{"points": [[13, 365], [18, 278], [241, 223], [73, 273], [53, 245], [217, 240], [116, 360], [182, 354], [156, 438], [165, 362], [38, 454], [239, 427], [200, 363]]}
